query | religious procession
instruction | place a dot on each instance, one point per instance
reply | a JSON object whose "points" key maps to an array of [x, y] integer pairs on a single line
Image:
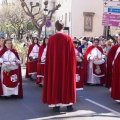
{"points": [[58, 64]]}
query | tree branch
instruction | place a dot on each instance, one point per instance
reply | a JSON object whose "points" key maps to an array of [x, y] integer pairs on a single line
{"points": [[53, 10]]}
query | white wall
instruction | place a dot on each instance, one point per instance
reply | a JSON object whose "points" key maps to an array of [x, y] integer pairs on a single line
{"points": [[80, 6], [65, 8]]}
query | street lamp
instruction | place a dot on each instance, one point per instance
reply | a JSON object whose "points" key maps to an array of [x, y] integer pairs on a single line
{"points": [[45, 14]]}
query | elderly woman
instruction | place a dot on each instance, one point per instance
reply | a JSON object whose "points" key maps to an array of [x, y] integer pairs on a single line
{"points": [[11, 80]]}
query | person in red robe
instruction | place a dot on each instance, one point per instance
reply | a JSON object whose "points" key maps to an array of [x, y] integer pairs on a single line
{"points": [[94, 70], [60, 68], [41, 62], [11, 78], [1, 41], [114, 71], [32, 57], [1, 46], [79, 67], [110, 59]]}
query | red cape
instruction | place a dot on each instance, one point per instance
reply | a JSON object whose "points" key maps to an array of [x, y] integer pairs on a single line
{"points": [[29, 51], [60, 69], [20, 91], [110, 59], [115, 93], [89, 49]]}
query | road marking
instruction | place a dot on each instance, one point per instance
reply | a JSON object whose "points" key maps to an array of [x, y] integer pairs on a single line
{"points": [[102, 106]]}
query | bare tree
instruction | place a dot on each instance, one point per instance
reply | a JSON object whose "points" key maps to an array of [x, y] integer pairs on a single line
{"points": [[38, 22], [14, 17]]}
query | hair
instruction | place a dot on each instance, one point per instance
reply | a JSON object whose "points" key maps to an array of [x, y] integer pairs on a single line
{"points": [[34, 39], [5, 41], [59, 25], [109, 43], [44, 44], [96, 39], [75, 42]]}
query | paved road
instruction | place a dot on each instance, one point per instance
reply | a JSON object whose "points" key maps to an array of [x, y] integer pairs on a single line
{"points": [[93, 103]]}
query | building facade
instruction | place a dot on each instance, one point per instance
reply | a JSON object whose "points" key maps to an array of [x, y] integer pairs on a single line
{"points": [[82, 17]]}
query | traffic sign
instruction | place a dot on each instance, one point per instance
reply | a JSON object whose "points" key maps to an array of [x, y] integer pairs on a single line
{"points": [[111, 13], [111, 4], [111, 17], [48, 23], [112, 10], [110, 23]]}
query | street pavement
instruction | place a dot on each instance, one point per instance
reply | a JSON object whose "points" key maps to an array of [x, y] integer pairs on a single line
{"points": [[93, 103]]}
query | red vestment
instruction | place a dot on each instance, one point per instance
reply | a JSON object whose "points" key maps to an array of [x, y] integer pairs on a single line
{"points": [[29, 65], [115, 91], [20, 91], [89, 49], [40, 67], [60, 69], [1, 92], [80, 71], [110, 58]]}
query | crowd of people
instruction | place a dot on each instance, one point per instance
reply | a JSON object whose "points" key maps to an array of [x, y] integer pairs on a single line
{"points": [[61, 65]]}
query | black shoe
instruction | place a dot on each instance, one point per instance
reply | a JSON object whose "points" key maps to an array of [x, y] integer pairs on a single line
{"points": [[87, 84], [56, 109], [99, 84], [14, 96], [69, 108], [40, 85], [6, 97]]}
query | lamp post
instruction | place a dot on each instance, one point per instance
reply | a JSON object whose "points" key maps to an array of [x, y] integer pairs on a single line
{"points": [[45, 14]]}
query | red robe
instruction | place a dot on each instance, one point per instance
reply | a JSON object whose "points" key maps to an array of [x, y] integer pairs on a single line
{"points": [[1, 92], [110, 58], [20, 91], [29, 51], [115, 92], [80, 71], [89, 49], [41, 49], [60, 69]]}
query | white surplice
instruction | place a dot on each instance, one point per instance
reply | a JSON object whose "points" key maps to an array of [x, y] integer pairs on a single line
{"points": [[44, 55], [116, 54], [34, 52], [95, 53], [78, 53], [8, 58]]}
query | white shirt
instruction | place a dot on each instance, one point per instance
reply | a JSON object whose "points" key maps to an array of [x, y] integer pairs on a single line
{"points": [[34, 52], [95, 53], [44, 55], [9, 58]]}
